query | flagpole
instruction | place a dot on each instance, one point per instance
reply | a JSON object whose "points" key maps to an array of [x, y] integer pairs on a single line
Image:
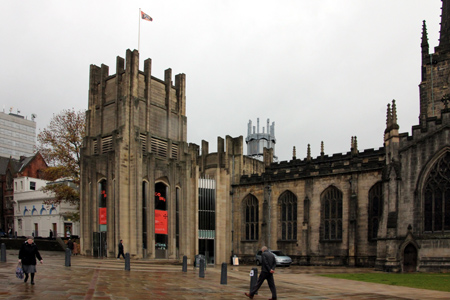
{"points": [[139, 31]]}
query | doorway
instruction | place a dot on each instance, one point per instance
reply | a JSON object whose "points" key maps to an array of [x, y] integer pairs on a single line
{"points": [[410, 258], [36, 230], [55, 230], [99, 244], [67, 230], [206, 248]]}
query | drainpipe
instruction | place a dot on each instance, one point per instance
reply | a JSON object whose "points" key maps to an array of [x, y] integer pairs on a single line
{"points": [[269, 191], [232, 207]]}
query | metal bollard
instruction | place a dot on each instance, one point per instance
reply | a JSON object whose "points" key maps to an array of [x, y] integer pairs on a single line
{"points": [[223, 274], [68, 255], [3, 252], [201, 272], [185, 263], [127, 261], [253, 278]]}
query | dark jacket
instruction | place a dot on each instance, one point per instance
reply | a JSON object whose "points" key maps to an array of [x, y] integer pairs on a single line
{"points": [[70, 244], [120, 248], [268, 261], [28, 254]]}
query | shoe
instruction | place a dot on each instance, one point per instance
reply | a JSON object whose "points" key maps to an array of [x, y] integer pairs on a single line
{"points": [[26, 279], [248, 295], [32, 282]]}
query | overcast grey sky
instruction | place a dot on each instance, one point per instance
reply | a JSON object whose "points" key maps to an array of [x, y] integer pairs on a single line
{"points": [[321, 70]]}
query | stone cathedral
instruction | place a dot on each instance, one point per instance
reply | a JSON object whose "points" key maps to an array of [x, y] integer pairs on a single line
{"points": [[143, 183]]}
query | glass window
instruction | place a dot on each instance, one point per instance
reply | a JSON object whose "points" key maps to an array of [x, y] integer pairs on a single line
{"points": [[375, 209], [144, 214], [332, 214], [251, 218], [161, 216], [436, 209], [288, 211], [103, 195]]}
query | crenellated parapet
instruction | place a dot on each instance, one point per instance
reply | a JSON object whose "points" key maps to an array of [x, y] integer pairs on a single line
{"points": [[340, 163], [136, 99], [134, 104], [229, 157], [419, 132]]}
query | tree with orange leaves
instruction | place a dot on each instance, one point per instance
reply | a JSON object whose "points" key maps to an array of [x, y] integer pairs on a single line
{"points": [[60, 144]]}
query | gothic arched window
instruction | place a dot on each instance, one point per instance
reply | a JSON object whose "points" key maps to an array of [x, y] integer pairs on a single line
{"points": [[332, 214], [288, 216], [375, 209], [144, 213], [437, 196], [251, 218]]}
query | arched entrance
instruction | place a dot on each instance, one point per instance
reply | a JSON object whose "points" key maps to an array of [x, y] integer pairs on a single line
{"points": [[410, 258]]}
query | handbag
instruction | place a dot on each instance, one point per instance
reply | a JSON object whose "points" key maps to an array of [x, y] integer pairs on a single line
{"points": [[19, 271]]}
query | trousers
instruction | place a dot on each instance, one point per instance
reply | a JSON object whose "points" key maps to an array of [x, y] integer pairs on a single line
{"points": [[265, 276]]}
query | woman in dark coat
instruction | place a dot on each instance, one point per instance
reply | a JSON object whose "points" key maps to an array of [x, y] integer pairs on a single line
{"points": [[27, 256]]}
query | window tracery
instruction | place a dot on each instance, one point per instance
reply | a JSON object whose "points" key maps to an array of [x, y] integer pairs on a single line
{"points": [[332, 215], [437, 197]]}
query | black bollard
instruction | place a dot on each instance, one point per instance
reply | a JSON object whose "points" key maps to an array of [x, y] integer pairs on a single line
{"points": [[201, 272], [68, 254], [223, 274], [253, 278], [185, 263], [127, 261], [3, 252]]}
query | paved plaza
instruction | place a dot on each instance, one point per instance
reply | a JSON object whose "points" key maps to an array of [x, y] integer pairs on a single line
{"points": [[91, 278]]}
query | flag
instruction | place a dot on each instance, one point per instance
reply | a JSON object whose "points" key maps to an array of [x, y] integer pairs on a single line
{"points": [[146, 17]]}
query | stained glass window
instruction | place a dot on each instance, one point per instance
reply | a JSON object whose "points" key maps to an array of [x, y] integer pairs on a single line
{"points": [[437, 197]]}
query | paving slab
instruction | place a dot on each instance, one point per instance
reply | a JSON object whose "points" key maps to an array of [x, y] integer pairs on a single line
{"points": [[93, 278]]}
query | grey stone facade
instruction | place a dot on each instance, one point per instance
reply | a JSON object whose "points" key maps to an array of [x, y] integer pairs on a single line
{"points": [[136, 134], [387, 208]]}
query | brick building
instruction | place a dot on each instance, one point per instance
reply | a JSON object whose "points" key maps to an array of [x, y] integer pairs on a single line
{"points": [[143, 183], [11, 168]]}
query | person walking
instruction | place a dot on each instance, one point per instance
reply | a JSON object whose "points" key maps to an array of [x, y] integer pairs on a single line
{"points": [[268, 266], [27, 256], [121, 250], [70, 245]]}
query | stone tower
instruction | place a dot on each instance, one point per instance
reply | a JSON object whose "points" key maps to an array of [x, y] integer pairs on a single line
{"points": [[435, 69], [133, 173]]}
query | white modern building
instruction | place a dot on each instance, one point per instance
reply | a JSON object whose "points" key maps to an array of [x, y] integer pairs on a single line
{"points": [[34, 218], [17, 135]]}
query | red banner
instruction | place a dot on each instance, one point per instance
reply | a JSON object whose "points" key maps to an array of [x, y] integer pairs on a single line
{"points": [[161, 221], [102, 215]]}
